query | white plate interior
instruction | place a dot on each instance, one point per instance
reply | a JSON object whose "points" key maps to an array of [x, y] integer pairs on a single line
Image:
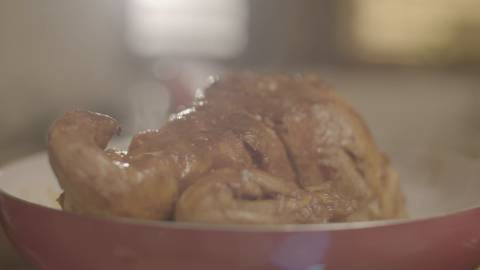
{"points": [[31, 179]]}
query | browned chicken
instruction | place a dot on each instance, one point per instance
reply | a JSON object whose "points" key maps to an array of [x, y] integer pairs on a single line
{"points": [[255, 149]]}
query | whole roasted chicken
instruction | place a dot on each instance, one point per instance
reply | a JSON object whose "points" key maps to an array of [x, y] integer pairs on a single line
{"points": [[253, 149]]}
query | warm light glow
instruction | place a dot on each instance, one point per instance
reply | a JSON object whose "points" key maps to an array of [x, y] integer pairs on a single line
{"points": [[412, 31]]}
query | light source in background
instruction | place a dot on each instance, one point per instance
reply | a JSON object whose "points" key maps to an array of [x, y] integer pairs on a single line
{"points": [[416, 31], [178, 41], [191, 28]]}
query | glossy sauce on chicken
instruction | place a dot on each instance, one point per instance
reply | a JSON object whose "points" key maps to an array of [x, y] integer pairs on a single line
{"points": [[254, 149]]}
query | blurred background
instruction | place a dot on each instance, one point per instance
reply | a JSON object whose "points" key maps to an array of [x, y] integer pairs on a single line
{"points": [[411, 67]]}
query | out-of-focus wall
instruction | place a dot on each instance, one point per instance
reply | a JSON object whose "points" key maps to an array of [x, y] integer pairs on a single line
{"points": [[56, 55]]}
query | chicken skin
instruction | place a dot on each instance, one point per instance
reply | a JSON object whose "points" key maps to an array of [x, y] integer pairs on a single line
{"points": [[254, 149]]}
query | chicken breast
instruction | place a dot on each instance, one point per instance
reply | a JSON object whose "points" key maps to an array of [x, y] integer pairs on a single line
{"points": [[329, 145]]}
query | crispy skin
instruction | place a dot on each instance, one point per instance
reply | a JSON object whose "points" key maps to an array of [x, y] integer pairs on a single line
{"points": [[249, 197], [258, 149], [330, 147], [146, 181], [107, 183]]}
